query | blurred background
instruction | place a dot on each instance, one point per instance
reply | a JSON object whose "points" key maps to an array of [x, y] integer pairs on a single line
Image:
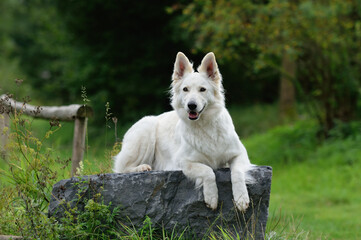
{"points": [[291, 71]]}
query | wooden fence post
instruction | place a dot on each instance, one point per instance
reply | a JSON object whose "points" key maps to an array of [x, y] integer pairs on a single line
{"points": [[74, 112], [4, 134], [78, 144]]}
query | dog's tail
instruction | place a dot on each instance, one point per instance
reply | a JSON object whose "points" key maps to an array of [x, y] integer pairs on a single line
{"points": [[138, 147]]}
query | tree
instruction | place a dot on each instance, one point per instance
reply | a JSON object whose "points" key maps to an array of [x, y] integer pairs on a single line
{"points": [[121, 51], [321, 37]]}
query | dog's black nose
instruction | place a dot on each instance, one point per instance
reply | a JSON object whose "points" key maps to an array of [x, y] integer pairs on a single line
{"points": [[192, 105]]}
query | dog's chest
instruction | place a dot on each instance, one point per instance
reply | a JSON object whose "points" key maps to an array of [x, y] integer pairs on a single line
{"points": [[214, 146]]}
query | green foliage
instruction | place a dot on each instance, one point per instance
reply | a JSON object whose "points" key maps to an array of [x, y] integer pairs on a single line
{"points": [[316, 183], [9, 65], [294, 143], [39, 39], [297, 143], [31, 174], [249, 121], [323, 37], [96, 221], [122, 56], [32, 169]]}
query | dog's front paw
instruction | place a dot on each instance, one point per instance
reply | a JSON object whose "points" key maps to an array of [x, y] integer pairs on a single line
{"points": [[211, 202], [242, 202], [210, 193], [143, 168]]}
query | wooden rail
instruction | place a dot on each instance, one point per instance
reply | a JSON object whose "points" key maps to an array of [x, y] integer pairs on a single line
{"points": [[9, 237], [75, 112]]}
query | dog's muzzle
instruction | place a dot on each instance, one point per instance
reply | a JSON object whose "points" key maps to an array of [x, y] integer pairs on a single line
{"points": [[192, 113]]}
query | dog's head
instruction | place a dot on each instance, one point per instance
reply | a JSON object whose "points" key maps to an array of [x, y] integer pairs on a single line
{"points": [[194, 93]]}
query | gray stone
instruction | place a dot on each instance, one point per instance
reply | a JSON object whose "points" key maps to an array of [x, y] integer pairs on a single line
{"points": [[171, 201]]}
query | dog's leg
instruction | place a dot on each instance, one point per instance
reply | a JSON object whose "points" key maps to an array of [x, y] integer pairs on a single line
{"points": [[199, 171], [240, 193], [138, 147]]}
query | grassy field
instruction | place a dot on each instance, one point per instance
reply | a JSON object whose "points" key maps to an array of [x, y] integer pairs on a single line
{"points": [[317, 184], [316, 187]]}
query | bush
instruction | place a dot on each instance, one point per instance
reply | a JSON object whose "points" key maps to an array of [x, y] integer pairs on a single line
{"points": [[284, 144]]}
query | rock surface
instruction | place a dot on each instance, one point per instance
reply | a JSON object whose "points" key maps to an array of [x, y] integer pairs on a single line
{"points": [[170, 200]]}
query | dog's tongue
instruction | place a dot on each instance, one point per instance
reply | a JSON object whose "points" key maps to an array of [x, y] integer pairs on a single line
{"points": [[192, 115]]}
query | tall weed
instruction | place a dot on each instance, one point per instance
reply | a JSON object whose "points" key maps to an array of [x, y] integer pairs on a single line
{"points": [[31, 174]]}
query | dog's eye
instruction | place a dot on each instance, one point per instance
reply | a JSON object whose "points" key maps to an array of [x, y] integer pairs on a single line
{"points": [[185, 89], [202, 89]]}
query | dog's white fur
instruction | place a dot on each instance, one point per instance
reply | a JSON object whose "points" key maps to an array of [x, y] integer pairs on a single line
{"points": [[197, 137]]}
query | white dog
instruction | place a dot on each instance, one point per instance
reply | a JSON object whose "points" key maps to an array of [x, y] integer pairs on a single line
{"points": [[197, 137]]}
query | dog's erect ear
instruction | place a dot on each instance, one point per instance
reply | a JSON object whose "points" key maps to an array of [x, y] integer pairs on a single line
{"points": [[181, 66], [209, 67]]}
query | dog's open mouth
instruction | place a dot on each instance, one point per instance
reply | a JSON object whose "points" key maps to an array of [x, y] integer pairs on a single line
{"points": [[193, 115]]}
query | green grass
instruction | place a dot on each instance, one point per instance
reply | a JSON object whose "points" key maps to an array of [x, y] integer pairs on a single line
{"points": [[316, 187], [97, 157], [327, 206], [316, 182]]}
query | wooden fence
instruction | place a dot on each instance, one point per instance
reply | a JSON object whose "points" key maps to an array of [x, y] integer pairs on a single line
{"points": [[75, 112]]}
